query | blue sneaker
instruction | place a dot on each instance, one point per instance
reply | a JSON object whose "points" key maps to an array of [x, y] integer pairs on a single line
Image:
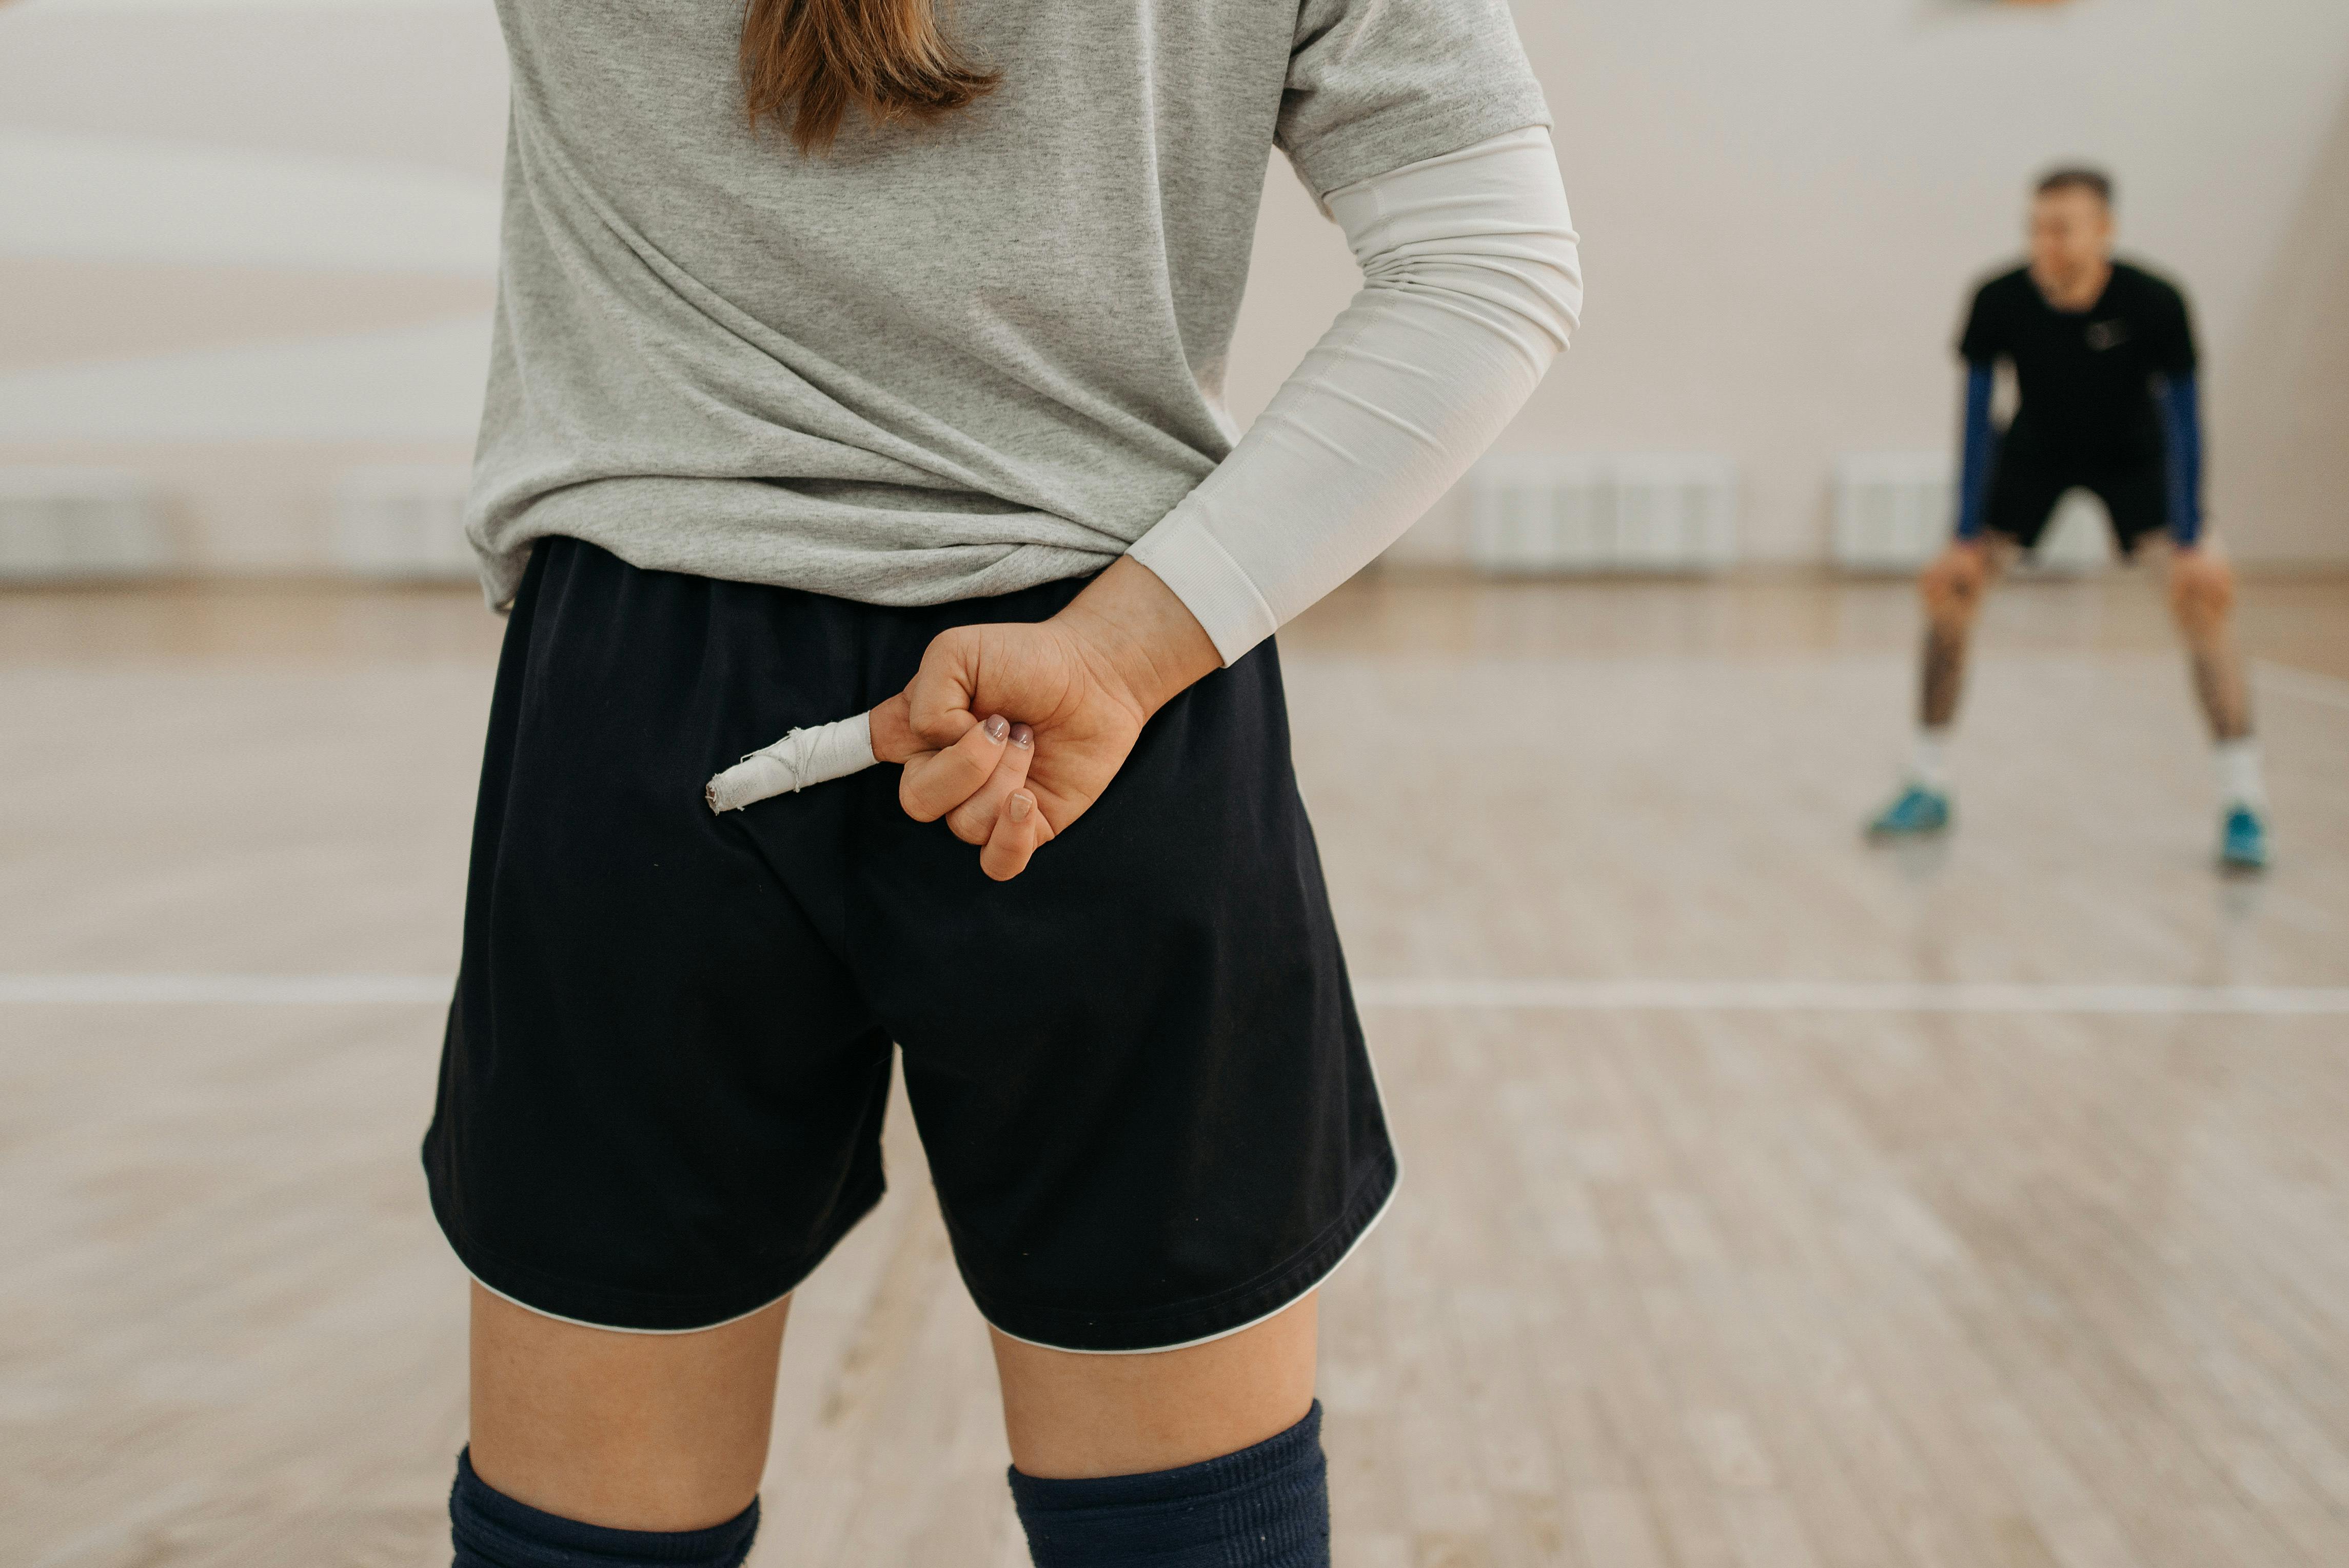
{"points": [[1918, 810], [2243, 841]]}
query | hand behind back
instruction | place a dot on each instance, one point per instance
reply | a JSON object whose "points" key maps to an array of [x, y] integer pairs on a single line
{"points": [[1011, 730]]}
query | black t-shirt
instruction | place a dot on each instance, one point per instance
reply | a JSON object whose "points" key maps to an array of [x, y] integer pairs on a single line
{"points": [[2086, 377]]}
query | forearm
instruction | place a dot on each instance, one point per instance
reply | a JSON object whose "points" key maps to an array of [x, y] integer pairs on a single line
{"points": [[2182, 419], [1980, 452], [1472, 287]]}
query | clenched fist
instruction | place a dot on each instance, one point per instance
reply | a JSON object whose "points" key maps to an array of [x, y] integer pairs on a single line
{"points": [[1011, 731]]}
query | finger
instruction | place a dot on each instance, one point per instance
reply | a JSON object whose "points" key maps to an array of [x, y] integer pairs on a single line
{"points": [[939, 698], [974, 819], [936, 784], [893, 731], [1019, 827]]}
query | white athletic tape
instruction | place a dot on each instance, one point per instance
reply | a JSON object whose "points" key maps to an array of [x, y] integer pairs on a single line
{"points": [[803, 758]]}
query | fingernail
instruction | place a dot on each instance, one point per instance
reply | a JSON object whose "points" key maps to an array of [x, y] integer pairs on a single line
{"points": [[1022, 804], [998, 727], [1022, 736]]}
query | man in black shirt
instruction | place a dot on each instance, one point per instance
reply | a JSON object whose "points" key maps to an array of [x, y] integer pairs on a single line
{"points": [[2103, 359]]}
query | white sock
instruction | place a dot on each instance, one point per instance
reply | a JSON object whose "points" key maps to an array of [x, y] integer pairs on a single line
{"points": [[1929, 762], [2240, 782]]}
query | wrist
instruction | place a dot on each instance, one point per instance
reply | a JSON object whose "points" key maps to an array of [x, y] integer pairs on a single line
{"points": [[1137, 636]]}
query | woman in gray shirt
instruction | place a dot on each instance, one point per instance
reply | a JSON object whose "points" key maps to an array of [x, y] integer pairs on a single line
{"points": [[855, 365]]}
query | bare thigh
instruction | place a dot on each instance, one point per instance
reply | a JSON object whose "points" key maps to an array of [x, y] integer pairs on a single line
{"points": [[630, 1431], [1074, 1415], [670, 1432]]}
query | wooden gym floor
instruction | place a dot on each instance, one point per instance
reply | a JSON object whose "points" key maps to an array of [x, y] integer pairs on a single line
{"points": [[1771, 1201]]}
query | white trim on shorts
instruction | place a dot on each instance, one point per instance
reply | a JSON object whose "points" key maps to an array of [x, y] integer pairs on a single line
{"points": [[613, 1327], [1379, 1091], [1142, 1350], [1318, 1281]]}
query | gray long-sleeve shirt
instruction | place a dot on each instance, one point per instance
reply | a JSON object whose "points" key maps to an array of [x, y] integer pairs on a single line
{"points": [[943, 361]]}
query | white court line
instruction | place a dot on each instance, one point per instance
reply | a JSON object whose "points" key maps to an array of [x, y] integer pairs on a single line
{"points": [[1551, 995]]}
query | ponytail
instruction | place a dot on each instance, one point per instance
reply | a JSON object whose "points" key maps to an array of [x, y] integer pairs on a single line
{"points": [[812, 59]]}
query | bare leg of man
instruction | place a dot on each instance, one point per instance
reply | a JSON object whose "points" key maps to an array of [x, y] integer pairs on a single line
{"points": [[2202, 597], [1952, 587], [629, 1431]]}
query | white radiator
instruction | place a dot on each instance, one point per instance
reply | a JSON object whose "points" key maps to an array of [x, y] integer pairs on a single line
{"points": [[1590, 512], [1895, 511], [2078, 539], [59, 524], [403, 522]]}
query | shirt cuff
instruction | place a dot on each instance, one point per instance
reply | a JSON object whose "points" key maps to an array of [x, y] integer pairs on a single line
{"points": [[1210, 583]]}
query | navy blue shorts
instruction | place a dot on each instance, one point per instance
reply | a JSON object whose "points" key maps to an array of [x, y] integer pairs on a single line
{"points": [[1136, 1068]]}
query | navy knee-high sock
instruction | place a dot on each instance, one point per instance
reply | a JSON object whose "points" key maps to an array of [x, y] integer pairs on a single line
{"points": [[1264, 1507], [491, 1530]]}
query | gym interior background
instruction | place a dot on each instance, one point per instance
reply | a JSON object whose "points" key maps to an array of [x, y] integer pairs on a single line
{"points": [[1772, 1199]]}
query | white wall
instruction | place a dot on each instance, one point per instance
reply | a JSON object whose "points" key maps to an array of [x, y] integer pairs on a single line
{"points": [[1783, 205], [246, 246]]}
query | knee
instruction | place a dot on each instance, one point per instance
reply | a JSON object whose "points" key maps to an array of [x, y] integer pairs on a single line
{"points": [[1951, 589], [2201, 598]]}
